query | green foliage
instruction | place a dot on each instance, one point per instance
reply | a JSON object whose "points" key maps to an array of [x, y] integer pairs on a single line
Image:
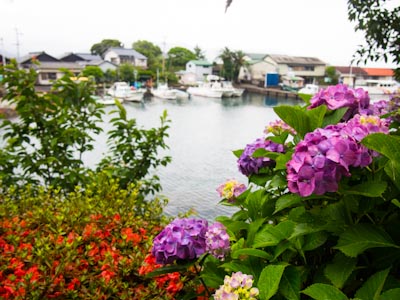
{"points": [[102, 47], [126, 72], [151, 51], [342, 244], [330, 72], [90, 244], [179, 56], [199, 53], [379, 21], [133, 151], [94, 72], [232, 62], [45, 145]]}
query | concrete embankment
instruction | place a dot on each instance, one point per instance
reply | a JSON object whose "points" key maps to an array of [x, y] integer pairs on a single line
{"points": [[268, 91]]}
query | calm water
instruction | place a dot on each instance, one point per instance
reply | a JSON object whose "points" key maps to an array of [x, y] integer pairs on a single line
{"points": [[203, 133]]}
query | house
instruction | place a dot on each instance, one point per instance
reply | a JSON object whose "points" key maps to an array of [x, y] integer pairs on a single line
{"points": [[350, 75], [379, 73], [310, 69], [49, 67], [123, 56], [201, 68], [75, 57], [28, 60], [50, 71]]}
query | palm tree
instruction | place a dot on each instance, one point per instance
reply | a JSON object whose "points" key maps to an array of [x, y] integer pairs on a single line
{"points": [[228, 66], [238, 62]]}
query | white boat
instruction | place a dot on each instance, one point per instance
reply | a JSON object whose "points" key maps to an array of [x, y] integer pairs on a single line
{"points": [[205, 90], [164, 92], [106, 99], [379, 87], [122, 90], [236, 92], [181, 94], [309, 89]]}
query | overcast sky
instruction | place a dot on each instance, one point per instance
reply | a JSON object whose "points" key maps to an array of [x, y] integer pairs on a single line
{"points": [[317, 28]]}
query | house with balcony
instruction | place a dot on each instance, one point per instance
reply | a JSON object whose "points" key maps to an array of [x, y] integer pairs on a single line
{"points": [[120, 56], [310, 69]]}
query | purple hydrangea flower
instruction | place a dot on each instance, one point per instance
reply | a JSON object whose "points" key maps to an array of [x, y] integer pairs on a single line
{"points": [[217, 240], [231, 189], [249, 165], [182, 239], [338, 96], [326, 155]]}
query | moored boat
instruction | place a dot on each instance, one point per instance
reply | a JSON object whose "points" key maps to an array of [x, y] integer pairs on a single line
{"points": [[122, 90]]}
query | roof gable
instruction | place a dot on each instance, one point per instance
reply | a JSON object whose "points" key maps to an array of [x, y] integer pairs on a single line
{"points": [[351, 70], [38, 56], [256, 56]]}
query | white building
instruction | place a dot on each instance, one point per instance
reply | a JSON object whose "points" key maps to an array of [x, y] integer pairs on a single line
{"points": [[120, 56], [201, 68]]}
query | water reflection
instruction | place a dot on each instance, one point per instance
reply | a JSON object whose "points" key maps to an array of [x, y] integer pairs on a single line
{"points": [[202, 135]]}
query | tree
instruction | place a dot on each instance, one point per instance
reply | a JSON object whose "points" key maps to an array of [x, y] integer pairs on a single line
{"points": [[179, 56], [381, 27], [151, 51], [238, 62], [330, 72], [199, 53], [125, 72], [101, 48], [94, 71], [227, 59]]}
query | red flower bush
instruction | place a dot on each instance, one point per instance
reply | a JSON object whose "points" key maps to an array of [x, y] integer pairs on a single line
{"points": [[90, 245]]}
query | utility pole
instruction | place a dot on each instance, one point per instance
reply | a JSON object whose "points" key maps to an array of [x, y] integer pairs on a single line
{"points": [[2, 52], [17, 33]]}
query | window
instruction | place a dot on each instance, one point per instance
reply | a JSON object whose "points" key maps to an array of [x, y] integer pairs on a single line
{"points": [[48, 76]]}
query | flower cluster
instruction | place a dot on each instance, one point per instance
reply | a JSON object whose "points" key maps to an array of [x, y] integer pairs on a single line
{"points": [[338, 96], [231, 189], [249, 165], [217, 240], [188, 239], [278, 127], [171, 282], [325, 155], [237, 287], [64, 251]]}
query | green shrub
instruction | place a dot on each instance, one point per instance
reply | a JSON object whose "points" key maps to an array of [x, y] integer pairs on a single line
{"points": [[89, 244]]}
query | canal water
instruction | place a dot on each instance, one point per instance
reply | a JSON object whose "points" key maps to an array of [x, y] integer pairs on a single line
{"points": [[203, 133]]}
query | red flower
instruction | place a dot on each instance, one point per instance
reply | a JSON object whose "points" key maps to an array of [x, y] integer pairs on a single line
{"points": [[74, 283], [130, 236]]}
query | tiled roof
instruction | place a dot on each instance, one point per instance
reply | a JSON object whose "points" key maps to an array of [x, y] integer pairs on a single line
{"points": [[296, 60], [58, 65], [379, 72], [88, 56], [354, 70], [127, 52]]}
